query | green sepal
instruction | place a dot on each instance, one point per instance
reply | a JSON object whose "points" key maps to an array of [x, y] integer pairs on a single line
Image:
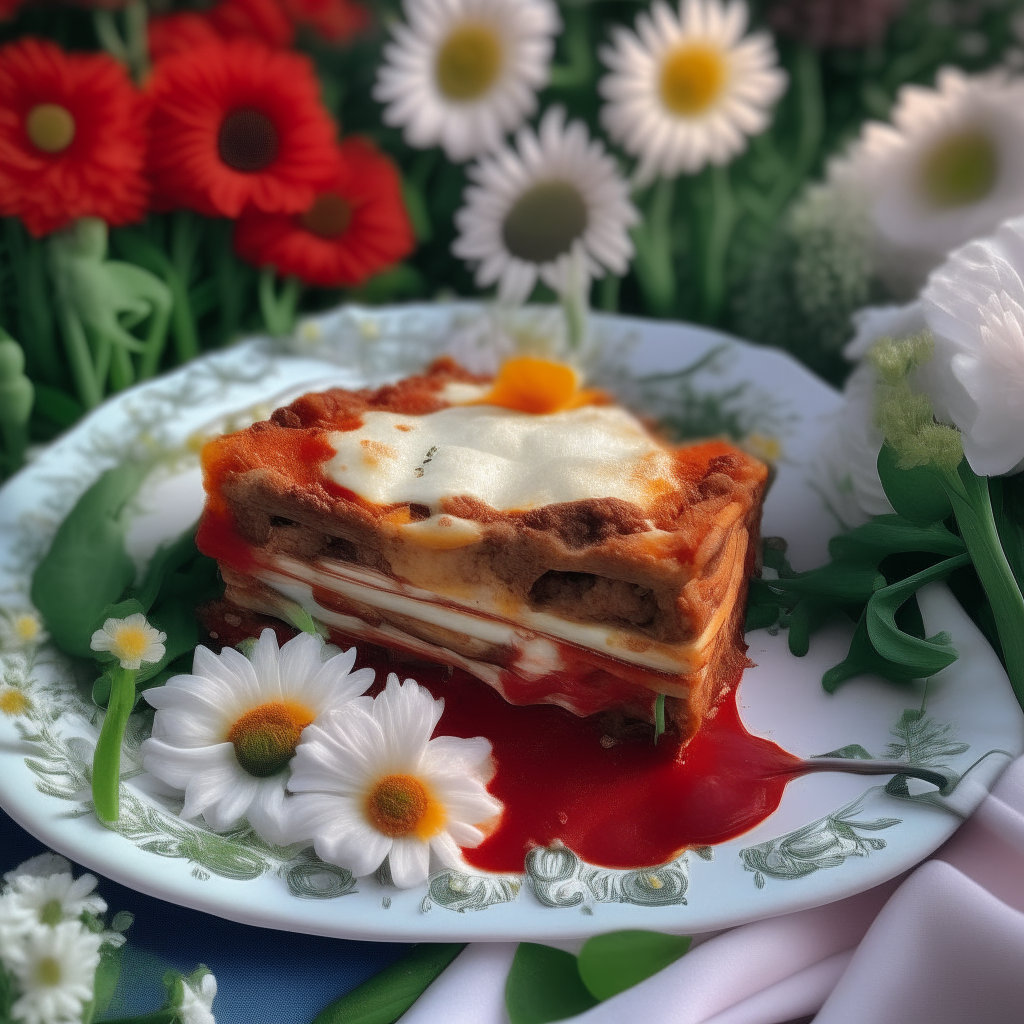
{"points": [[925, 656], [87, 567], [610, 964], [544, 985], [388, 994], [918, 494]]}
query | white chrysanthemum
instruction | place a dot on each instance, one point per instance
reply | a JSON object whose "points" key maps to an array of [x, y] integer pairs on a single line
{"points": [[949, 168], [131, 640], [688, 89], [227, 733], [974, 306], [462, 74], [54, 970], [44, 891], [544, 208], [21, 630], [372, 785], [847, 463]]}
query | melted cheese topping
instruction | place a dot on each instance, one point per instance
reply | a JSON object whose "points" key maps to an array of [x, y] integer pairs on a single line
{"points": [[508, 460]]}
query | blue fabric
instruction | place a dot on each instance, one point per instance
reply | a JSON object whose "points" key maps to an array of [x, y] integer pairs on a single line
{"points": [[263, 976]]}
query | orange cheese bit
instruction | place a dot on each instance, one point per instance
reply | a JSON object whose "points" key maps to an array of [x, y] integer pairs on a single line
{"points": [[535, 385]]}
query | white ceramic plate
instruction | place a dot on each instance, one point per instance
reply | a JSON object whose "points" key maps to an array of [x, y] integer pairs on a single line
{"points": [[832, 836]]}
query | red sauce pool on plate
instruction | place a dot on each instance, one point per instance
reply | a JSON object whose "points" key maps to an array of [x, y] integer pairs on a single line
{"points": [[626, 806]]}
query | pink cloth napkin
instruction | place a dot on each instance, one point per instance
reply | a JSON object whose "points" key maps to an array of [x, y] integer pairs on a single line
{"points": [[943, 945]]}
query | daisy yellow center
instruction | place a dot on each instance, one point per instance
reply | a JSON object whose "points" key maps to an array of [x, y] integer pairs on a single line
{"points": [[26, 627], [692, 79], [50, 127], [248, 140], [13, 702], [265, 737], [468, 62], [130, 643], [52, 913], [48, 972], [399, 805], [545, 221], [328, 217], [960, 169]]}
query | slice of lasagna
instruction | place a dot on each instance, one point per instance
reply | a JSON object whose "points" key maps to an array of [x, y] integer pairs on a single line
{"points": [[539, 537]]}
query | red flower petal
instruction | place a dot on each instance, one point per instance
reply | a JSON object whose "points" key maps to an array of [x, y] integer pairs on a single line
{"points": [[245, 94], [335, 20], [99, 173], [254, 19], [377, 235], [178, 33]]}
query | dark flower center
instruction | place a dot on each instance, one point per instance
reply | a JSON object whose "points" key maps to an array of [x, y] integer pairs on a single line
{"points": [[961, 169], [328, 217], [545, 221], [247, 140], [265, 737]]}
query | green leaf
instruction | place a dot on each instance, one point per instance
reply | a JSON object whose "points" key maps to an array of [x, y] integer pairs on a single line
{"points": [[762, 606], [659, 716], [544, 985], [862, 659], [890, 535], [105, 985], [916, 494], [609, 964], [806, 618], [6, 995], [387, 995], [87, 568], [924, 656], [839, 582]]}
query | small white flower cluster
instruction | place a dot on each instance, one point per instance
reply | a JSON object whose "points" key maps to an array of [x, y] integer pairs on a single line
{"points": [[287, 739], [685, 89], [50, 939], [973, 307]]}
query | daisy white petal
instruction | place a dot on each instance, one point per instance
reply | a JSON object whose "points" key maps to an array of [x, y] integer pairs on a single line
{"points": [[948, 169], [372, 785], [227, 733], [462, 74], [54, 970], [673, 86], [530, 207], [131, 640], [20, 630]]}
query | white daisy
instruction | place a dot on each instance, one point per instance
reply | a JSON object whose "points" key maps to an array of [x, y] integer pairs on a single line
{"points": [[194, 998], [226, 734], [949, 168], [21, 630], [554, 202], [131, 640], [462, 74], [372, 785], [974, 306], [54, 970], [687, 89], [43, 891]]}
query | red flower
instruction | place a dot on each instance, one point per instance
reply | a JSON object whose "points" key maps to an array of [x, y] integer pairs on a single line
{"points": [[352, 229], [234, 124], [72, 138], [262, 20], [178, 33], [253, 19], [8, 9], [335, 20]]}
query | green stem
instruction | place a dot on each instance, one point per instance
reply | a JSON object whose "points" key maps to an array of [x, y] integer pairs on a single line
{"points": [[136, 18], [35, 318], [659, 716], [654, 250], [608, 293], [972, 506], [76, 345], [106, 764], [185, 237], [122, 373], [228, 289], [720, 219], [109, 36], [579, 69], [278, 310]]}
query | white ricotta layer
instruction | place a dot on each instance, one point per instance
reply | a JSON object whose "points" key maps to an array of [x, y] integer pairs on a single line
{"points": [[507, 459]]}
